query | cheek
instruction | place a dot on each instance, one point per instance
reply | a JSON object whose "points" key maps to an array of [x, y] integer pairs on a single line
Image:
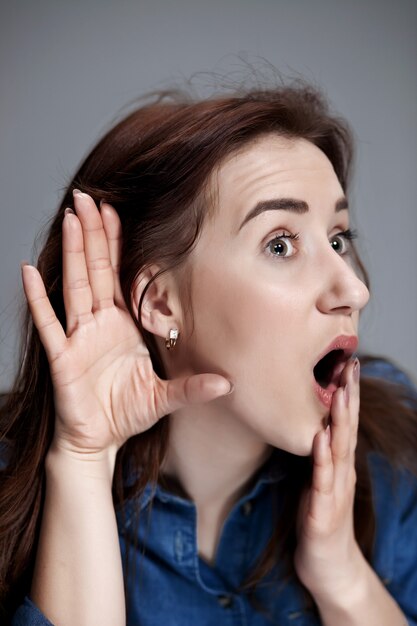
{"points": [[243, 324], [256, 334]]}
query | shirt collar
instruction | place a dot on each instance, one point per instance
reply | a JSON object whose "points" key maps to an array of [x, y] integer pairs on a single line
{"points": [[271, 472]]}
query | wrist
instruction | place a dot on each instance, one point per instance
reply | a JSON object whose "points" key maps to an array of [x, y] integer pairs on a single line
{"points": [[64, 460], [349, 586], [362, 601]]}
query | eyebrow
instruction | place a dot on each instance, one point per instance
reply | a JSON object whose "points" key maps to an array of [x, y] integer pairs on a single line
{"points": [[288, 204]]}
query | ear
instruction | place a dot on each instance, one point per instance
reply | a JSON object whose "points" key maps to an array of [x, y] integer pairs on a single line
{"points": [[161, 308]]}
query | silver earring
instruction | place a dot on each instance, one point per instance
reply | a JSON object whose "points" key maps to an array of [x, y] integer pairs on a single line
{"points": [[171, 340]]}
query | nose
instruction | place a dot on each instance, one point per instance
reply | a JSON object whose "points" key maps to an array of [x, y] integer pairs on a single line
{"points": [[342, 291]]}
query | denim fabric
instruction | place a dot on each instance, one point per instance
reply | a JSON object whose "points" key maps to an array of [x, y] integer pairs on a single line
{"points": [[174, 586], [29, 614]]}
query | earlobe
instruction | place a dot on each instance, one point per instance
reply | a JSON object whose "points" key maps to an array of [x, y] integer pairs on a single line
{"points": [[159, 306]]}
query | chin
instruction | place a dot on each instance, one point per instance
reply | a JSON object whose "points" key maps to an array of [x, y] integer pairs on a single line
{"points": [[297, 448], [301, 446], [306, 451]]}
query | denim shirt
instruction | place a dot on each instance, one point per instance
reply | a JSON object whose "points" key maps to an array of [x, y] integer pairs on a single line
{"points": [[174, 586]]}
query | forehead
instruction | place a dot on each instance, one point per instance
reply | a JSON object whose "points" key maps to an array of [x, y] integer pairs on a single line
{"points": [[273, 165]]}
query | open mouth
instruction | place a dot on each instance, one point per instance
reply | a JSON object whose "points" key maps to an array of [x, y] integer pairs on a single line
{"points": [[328, 370]]}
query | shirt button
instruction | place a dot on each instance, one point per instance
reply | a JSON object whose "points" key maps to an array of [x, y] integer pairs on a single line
{"points": [[295, 615], [247, 508], [225, 601]]}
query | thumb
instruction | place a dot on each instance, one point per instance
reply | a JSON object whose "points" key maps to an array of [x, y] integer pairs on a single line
{"points": [[195, 389]]}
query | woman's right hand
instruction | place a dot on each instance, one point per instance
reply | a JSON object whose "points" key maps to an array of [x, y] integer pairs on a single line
{"points": [[105, 389]]}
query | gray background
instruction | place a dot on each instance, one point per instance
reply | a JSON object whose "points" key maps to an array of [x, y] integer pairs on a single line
{"points": [[67, 68]]}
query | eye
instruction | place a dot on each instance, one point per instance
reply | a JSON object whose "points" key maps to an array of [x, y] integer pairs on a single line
{"points": [[341, 241], [279, 245]]}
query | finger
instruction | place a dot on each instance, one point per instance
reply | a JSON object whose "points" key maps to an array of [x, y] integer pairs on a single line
{"points": [[340, 425], [346, 475], [96, 249], [113, 230], [197, 389], [345, 417], [341, 421], [354, 387], [78, 298], [50, 331], [350, 379], [322, 487]]}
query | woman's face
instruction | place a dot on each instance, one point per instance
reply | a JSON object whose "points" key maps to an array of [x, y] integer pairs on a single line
{"points": [[266, 307]]}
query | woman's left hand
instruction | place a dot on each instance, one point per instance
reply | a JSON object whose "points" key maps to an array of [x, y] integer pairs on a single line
{"points": [[327, 554]]}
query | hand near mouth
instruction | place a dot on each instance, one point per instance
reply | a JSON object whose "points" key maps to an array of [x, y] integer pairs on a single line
{"points": [[328, 560], [327, 554]]}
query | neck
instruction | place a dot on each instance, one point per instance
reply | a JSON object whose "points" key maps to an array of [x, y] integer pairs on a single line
{"points": [[212, 455], [212, 458]]}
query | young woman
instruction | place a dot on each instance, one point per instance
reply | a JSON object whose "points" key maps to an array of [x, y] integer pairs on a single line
{"points": [[189, 440]]}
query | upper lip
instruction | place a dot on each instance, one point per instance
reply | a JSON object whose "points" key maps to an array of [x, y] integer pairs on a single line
{"points": [[347, 343]]}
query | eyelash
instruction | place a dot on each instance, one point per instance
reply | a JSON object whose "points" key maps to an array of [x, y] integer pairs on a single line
{"points": [[348, 235]]}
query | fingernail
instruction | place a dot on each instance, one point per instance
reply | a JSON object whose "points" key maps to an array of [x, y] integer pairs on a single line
{"points": [[231, 389], [77, 192], [327, 432], [356, 370], [346, 394], [23, 263], [68, 210]]}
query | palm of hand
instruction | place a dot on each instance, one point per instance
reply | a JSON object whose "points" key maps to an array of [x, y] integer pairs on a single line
{"points": [[327, 553], [105, 389], [102, 382]]}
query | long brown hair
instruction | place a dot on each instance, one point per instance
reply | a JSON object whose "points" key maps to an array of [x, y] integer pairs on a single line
{"points": [[153, 167]]}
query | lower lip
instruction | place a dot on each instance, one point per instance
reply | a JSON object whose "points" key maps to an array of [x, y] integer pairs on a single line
{"points": [[325, 395]]}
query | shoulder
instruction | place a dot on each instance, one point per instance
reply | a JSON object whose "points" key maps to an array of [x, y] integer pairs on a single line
{"points": [[388, 407], [394, 485], [387, 394], [394, 496], [387, 370]]}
